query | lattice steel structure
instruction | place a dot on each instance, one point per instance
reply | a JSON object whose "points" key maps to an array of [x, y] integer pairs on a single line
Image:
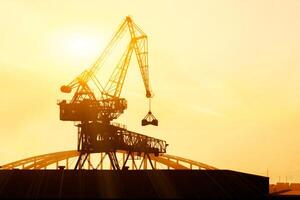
{"points": [[95, 137], [94, 110]]}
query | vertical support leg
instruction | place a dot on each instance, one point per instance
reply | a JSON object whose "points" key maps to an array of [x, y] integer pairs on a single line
{"points": [[110, 163], [81, 160], [123, 159], [67, 163], [90, 165], [101, 162], [86, 156], [133, 162], [150, 162], [79, 141], [78, 161], [145, 162], [124, 163], [89, 161], [114, 160]]}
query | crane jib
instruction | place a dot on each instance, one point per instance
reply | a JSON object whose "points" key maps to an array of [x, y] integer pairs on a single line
{"points": [[111, 91]]}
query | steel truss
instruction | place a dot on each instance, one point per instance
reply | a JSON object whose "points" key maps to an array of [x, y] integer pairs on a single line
{"points": [[96, 137]]}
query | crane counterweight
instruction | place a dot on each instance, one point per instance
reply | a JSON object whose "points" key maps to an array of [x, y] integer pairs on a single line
{"points": [[65, 89]]}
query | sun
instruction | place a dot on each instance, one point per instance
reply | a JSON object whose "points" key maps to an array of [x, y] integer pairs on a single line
{"points": [[82, 45], [76, 48]]}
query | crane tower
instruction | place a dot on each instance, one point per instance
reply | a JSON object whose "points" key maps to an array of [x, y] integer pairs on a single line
{"points": [[94, 111]]}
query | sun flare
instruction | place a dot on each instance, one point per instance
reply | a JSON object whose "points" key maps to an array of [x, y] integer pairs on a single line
{"points": [[82, 45], [76, 49]]}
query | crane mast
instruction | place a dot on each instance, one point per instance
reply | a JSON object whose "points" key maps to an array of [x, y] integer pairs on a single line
{"points": [[95, 110]]}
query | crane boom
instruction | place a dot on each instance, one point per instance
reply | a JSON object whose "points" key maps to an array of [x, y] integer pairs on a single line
{"points": [[138, 44], [86, 105], [86, 75]]}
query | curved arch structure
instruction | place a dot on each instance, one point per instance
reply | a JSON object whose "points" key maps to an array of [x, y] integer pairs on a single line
{"points": [[65, 159]]}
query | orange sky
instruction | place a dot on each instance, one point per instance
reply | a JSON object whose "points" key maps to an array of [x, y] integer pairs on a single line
{"points": [[225, 74]]}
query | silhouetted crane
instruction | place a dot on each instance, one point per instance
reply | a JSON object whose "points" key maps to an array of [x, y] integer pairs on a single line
{"points": [[96, 110]]}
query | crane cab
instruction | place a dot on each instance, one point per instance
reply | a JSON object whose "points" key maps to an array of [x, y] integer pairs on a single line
{"points": [[91, 110]]}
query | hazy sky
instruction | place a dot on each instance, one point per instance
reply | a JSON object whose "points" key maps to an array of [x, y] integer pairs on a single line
{"points": [[226, 77]]}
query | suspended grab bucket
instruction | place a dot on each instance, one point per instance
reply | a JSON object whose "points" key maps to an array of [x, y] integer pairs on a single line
{"points": [[149, 119]]}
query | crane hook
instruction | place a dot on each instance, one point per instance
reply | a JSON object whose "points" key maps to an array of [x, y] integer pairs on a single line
{"points": [[149, 118]]}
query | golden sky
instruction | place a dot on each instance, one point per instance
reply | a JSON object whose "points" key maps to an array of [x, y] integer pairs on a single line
{"points": [[226, 77]]}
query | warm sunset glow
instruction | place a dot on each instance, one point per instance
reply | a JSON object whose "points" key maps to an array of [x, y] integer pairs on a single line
{"points": [[225, 74], [80, 45]]}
